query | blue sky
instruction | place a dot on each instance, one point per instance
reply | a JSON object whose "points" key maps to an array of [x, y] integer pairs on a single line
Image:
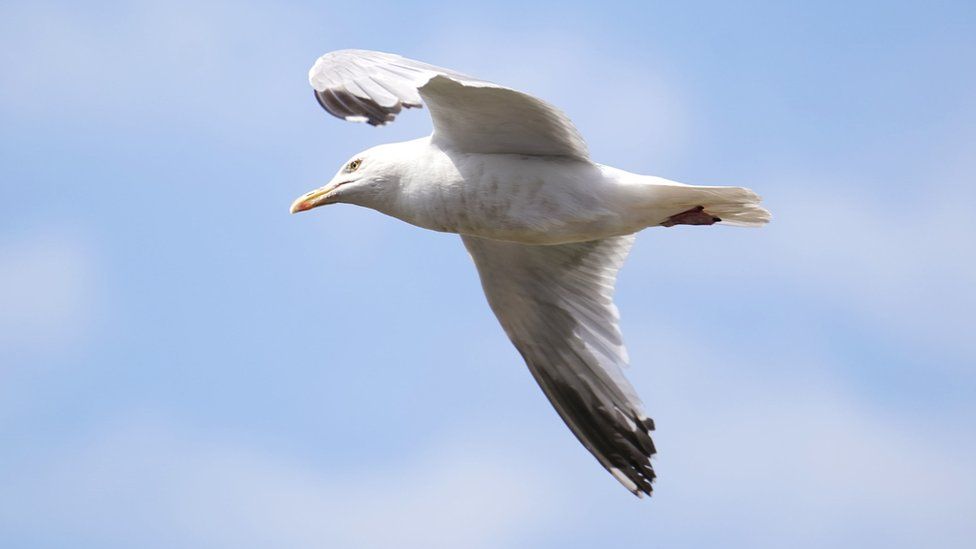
{"points": [[183, 364]]}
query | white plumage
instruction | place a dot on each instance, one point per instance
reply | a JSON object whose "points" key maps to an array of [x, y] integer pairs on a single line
{"points": [[548, 229]]}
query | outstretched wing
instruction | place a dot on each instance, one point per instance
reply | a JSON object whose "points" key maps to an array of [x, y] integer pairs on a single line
{"points": [[469, 114], [556, 305]]}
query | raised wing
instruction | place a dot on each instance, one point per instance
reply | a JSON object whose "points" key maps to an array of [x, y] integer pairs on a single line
{"points": [[469, 114], [556, 305]]}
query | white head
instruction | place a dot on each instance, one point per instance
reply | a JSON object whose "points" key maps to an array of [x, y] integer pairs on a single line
{"points": [[369, 179]]}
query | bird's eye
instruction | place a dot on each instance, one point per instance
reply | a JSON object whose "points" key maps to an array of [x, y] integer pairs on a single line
{"points": [[354, 165]]}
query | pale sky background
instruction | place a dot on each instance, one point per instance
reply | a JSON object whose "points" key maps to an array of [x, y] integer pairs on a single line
{"points": [[184, 364]]}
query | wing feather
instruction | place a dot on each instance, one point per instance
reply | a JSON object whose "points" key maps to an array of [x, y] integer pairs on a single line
{"points": [[469, 114], [556, 305]]}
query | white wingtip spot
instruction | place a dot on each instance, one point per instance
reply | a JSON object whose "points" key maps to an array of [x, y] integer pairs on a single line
{"points": [[628, 484]]}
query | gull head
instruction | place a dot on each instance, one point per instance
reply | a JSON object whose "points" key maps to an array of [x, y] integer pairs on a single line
{"points": [[365, 179]]}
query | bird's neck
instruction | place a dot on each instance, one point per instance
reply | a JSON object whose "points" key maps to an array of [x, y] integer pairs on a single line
{"points": [[427, 177]]}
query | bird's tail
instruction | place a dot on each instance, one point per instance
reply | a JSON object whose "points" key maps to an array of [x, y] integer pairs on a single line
{"points": [[701, 205]]}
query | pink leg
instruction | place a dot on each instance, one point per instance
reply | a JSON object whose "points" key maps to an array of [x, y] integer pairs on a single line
{"points": [[694, 216]]}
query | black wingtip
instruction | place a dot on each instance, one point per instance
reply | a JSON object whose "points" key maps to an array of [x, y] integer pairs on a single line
{"points": [[345, 105]]}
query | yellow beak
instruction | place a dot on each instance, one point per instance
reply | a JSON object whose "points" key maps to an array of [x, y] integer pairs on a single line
{"points": [[313, 199]]}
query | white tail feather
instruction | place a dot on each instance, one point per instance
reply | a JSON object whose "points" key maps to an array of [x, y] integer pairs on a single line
{"points": [[733, 205]]}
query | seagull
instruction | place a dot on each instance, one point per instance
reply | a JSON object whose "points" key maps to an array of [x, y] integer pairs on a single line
{"points": [[547, 227]]}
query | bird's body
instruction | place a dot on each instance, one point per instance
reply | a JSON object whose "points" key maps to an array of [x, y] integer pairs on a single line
{"points": [[547, 227], [524, 198]]}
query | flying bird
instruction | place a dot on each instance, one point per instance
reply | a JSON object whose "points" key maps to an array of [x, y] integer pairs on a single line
{"points": [[547, 227]]}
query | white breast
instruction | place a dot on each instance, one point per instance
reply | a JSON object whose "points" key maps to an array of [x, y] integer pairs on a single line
{"points": [[530, 199]]}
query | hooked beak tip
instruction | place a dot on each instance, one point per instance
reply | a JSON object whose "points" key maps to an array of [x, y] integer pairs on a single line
{"points": [[311, 200], [299, 205]]}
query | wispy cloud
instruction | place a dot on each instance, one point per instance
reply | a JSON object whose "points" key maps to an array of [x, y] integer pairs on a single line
{"points": [[767, 450], [130, 67], [151, 483], [897, 265], [47, 292]]}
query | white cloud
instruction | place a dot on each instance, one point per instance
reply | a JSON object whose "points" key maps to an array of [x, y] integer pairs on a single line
{"points": [[757, 451], [901, 264], [147, 67], [47, 291], [147, 483], [770, 451]]}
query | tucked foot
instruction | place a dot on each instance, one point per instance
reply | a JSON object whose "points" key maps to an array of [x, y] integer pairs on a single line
{"points": [[694, 216]]}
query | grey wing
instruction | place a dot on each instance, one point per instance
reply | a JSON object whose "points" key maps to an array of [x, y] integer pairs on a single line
{"points": [[556, 305], [468, 114]]}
